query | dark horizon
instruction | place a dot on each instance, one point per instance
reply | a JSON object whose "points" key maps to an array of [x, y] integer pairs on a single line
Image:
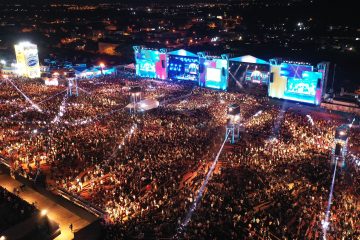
{"points": [[329, 10]]}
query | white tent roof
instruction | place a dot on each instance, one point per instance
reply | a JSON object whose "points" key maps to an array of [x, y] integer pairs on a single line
{"points": [[144, 105], [182, 52], [249, 59]]}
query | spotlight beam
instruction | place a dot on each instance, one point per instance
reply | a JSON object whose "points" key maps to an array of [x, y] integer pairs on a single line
{"points": [[310, 119], [83, 90], [325, 223], [198, 198], [26, 97], [45, 100]]}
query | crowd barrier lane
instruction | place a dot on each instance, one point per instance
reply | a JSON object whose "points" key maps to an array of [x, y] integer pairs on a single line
{"points": [[80, 202], [66, 195], [4, 161]]}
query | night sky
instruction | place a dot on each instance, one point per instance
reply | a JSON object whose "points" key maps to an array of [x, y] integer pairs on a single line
{"points": [[337, 10]]}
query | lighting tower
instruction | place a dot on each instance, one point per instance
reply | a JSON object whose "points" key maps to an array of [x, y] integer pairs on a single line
{"points": [[339, 150], [135, 97], [233, 122], [72, 83], [102, 66]]}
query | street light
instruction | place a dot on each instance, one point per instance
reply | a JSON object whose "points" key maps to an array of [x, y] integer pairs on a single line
{"points": [[43, 213], [102, 66], [2, 238]]}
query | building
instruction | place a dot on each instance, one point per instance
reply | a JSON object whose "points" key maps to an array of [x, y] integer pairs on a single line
{"points": [[108, 48], [27, 60]]}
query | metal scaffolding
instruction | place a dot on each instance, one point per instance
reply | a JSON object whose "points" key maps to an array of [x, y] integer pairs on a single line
{"points": [[72, 83], [233, 123]]}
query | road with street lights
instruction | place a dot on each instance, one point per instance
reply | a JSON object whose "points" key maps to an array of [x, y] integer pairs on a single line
{"points": [[56, 212]]}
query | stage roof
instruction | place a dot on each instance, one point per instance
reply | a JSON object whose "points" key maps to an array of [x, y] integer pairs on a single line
{"points": [[249, 59], [182, 52]]}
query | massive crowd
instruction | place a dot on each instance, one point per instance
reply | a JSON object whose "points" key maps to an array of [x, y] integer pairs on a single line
{"points": [[145, 170]]}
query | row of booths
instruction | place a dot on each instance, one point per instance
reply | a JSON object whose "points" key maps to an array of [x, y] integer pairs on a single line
{"points": [[289, 80]]}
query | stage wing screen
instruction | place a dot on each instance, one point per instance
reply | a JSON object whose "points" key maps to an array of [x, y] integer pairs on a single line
{"points": [[150, 64], [145, 63], [294, 71], [215, 73], [296, 83]]}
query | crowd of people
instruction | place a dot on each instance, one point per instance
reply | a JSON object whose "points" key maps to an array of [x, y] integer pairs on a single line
{"points": [[277, 185], [145, 170]]}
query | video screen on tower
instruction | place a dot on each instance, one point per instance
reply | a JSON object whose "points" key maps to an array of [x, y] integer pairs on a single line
{"points": [[213, 73], [183, 67], [296, 82]]}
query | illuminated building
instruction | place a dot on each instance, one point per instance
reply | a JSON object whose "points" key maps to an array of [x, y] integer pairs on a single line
{"points": [[27, 60]]}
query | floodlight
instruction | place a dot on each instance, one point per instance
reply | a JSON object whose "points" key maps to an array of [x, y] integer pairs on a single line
{"points": [[44, 212]]}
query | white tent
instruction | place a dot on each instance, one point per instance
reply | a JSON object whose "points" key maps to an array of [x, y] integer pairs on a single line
{"points": [[144, 105]]}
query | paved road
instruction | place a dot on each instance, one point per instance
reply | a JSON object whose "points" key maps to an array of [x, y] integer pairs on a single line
{"points": [[56, 212]]}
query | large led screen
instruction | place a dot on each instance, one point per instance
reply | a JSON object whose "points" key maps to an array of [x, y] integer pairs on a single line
{"points": [[256, 76], [244, 73], [183, 68], [150, 63], [214, 73], [294, 71], [296, 83]]}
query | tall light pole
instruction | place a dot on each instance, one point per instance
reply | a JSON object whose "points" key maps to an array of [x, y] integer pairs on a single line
{"points": [[102, 66]]}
